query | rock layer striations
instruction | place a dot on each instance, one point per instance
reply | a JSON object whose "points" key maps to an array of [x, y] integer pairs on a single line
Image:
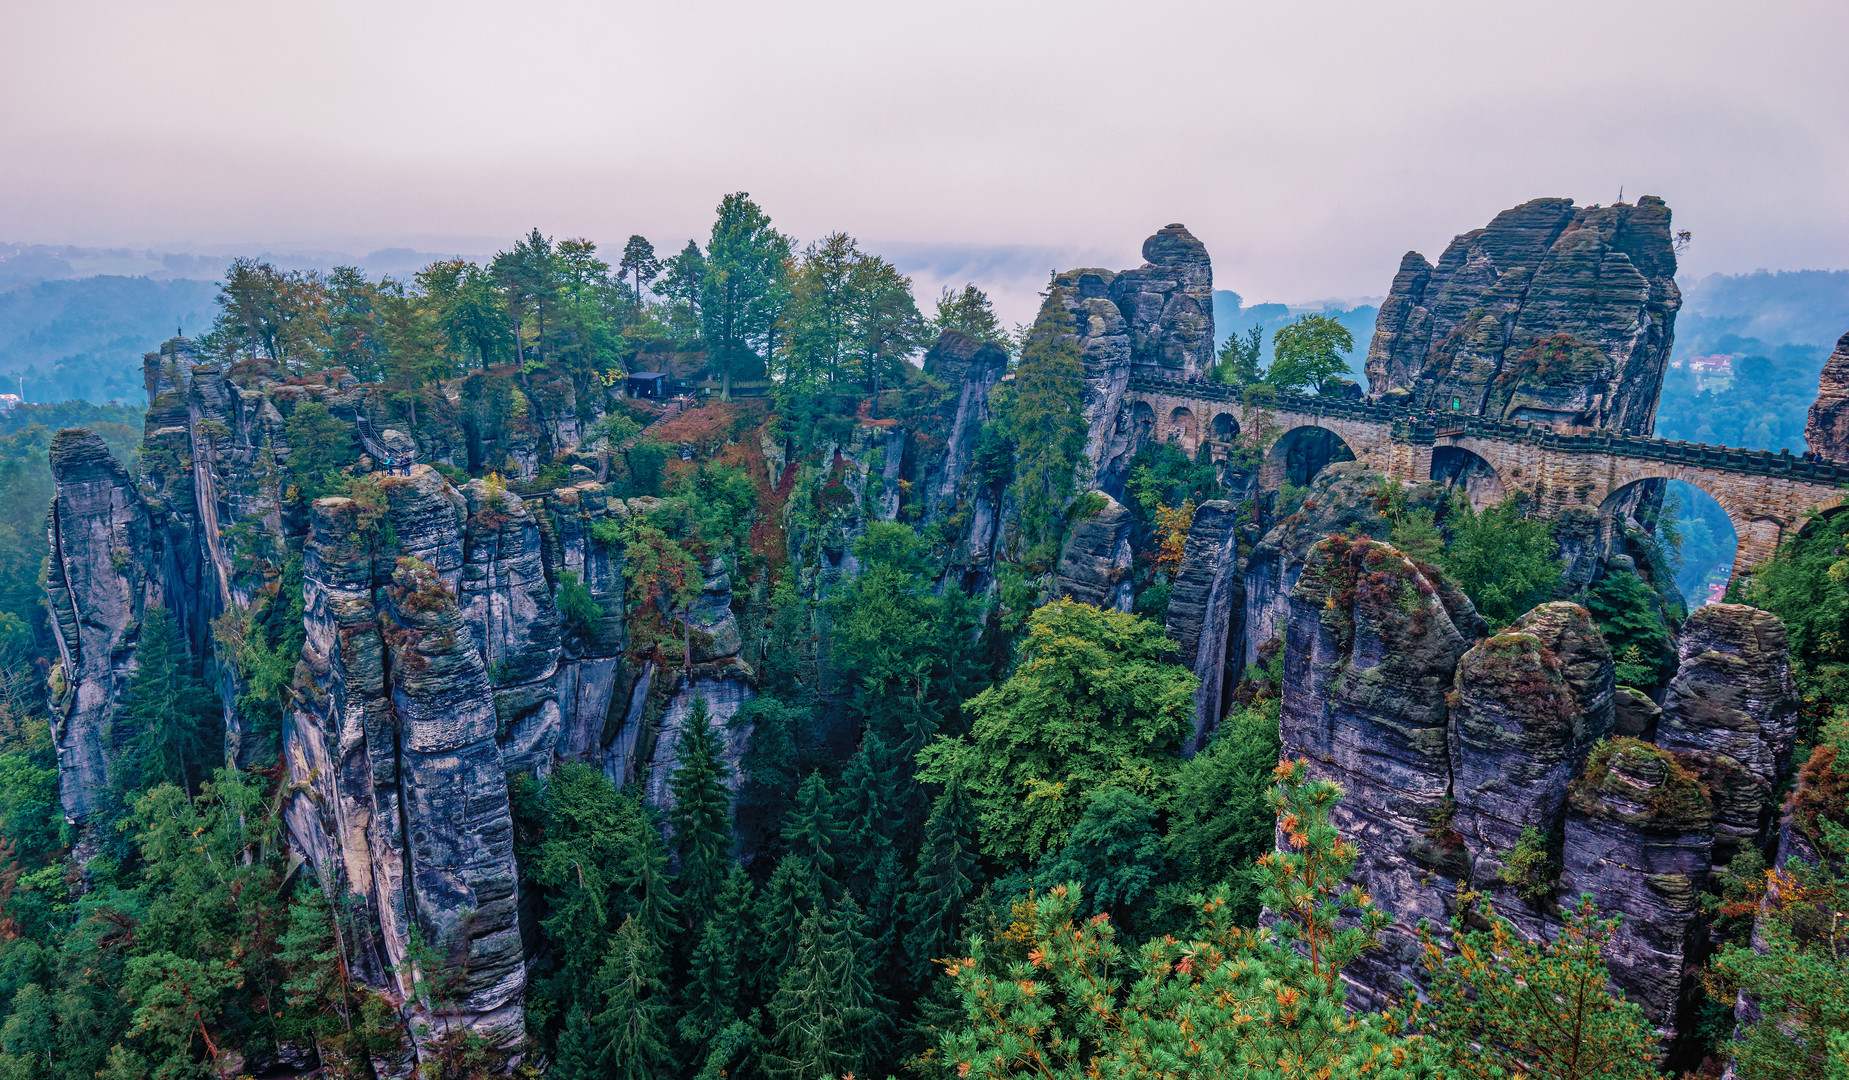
{"points": [[1552, 313]]}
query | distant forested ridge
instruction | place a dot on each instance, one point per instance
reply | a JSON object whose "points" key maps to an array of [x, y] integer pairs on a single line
{"points": [[1776, 329], [84, 338]]}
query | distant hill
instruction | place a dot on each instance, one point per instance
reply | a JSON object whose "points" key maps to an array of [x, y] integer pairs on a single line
{"points": [[1776, 330], [83, 338], [75, 321], [1787, 307]]}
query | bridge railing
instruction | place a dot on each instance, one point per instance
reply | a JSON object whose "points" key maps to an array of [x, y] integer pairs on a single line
{"points": [[1422, 429]]}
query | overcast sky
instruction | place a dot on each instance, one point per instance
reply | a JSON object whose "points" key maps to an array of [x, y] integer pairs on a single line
{"points": [[1308, 144]]}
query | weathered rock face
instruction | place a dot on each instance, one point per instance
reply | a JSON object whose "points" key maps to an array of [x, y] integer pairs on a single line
{"points": [[1094, 564], [1346, 498], [102, 577], [1732, 707], [1553, 313], [1633, 713], [1530, 703], [1826, 433], [829, 509], [1168, 303], [401, 794], [952, 490], [1159, 315], [504, 594], [715, 628], [1369, 654], [1204, 610], [593, 681], [1639, 839]]}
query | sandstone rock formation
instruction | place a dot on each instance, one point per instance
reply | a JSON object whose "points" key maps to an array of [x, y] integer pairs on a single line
{"points": [[1639, 840], [1552, 313], [1634, 714], [1094, 564], [1826, 432], [1369, 655], [1158, 316], [1347, 498], [1733, 709], [99, 588], [972, 369], [1204, 610], [437, 658], [1530, 703], [1441, 790], [401, 795]]}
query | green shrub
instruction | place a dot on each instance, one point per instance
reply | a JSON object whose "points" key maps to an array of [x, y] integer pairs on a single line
{"points": [[1530, 867], [578, 609]]}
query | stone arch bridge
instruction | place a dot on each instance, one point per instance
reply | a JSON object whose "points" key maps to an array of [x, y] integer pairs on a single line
{"points": [[1767, 496]]}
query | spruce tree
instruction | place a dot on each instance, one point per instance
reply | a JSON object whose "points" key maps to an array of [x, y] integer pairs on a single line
{"points": [[702, 833], [641, 871], [862, 824], [577, 1057], [315, 997], [168, 722], [789, 897], [635, 1020], [824, 1011], [946, 875], [865, 1007], [720, 961], [583, 847], [809, 831], [888, 901]]}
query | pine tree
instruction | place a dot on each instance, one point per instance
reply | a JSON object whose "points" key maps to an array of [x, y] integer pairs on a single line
{"points": [[715, 974], [639, 265], [743, 289], [682, 283], [1533, 1009], [946, 875], [702, 833], [810, 833], [968, 309], [635, 1019]]}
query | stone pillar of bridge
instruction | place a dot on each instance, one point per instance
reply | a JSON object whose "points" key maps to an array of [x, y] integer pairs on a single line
{"points": [[1756, 540], [1406, 463]]}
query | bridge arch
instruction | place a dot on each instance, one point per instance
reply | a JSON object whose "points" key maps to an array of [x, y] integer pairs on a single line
{"points": [[1142, 424], [1225, 427], [1463, 469], [1302, 452], [1183, 429], [1756, 534], [1764, 510]]}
